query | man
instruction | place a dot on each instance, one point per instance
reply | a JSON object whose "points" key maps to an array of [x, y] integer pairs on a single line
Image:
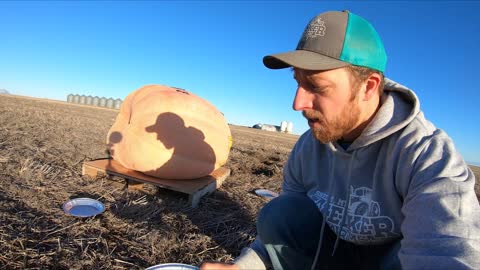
{"points": [[372, 184]]}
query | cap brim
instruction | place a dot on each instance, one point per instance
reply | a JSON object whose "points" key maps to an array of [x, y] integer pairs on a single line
{"points": [[302, 59]]}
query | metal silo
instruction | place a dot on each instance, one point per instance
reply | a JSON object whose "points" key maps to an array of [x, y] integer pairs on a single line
{"points": [[283, 126], [89, 100], [117, 104], [76, 98], [95, 101], [289, 127], [109, 103], [82, 99], [70, 98], [103, 102]]}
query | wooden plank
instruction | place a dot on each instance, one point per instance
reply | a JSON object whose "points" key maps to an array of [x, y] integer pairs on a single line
{"points": [[194, 199], [134, 185], [195, 188], [87, 170], [219, 175]]}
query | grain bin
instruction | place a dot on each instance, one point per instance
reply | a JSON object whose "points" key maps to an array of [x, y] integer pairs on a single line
{"points": [[109, 103], [95, 101], [89, 100], [75, 98], [289, 127], [70, 98], [283, 126], [117, 104], [82, 99], [103, 102]]}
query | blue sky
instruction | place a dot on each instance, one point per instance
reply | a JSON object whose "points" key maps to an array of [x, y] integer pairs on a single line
{"points": [[215, 49]]}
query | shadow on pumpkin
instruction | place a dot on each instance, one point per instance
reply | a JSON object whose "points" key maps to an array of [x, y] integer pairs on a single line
{"points": [[114, 138], [191, 154]]}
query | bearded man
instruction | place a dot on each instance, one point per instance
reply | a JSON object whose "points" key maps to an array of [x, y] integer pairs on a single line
{"points": [[372, 184]]}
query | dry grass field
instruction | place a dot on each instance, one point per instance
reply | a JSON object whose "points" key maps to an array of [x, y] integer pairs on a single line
{"points": [[42, 147]]}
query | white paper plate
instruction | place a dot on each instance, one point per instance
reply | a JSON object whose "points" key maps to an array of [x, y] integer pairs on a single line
{"points": [[266, 193], [83, 207], [173, 266]]}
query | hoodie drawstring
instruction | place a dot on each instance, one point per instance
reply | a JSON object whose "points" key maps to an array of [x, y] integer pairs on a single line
{"points": [[319, 245], [324, 220], [345, 210]]}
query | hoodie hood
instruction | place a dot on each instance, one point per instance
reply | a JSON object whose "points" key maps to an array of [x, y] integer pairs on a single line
{"points": [[399, 107]]}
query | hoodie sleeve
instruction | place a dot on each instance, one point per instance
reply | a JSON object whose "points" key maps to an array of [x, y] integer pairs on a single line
{"points": [[442, 215]]}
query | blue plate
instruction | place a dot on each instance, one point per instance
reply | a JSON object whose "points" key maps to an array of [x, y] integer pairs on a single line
{"points": [[83, 207], [266, 193], [173, 266]]}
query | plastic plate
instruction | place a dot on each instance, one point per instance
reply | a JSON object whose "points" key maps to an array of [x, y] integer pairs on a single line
{"points": [[266, 193], [83, 207], [172, 266]]}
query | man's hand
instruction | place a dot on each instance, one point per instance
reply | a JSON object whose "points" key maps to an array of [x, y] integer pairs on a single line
{"points": [[218, 266]]}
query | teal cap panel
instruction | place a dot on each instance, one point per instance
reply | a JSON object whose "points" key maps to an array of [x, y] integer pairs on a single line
{"points": [[362, 45]]}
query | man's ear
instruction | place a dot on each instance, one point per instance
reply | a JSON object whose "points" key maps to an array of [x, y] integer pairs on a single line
{"points": [[370, 86]]}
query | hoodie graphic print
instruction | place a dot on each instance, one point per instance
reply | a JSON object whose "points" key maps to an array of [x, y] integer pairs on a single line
{"points": [[364, 221]]}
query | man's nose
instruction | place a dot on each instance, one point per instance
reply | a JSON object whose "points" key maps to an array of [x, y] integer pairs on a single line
{"points": [[303, 99]]}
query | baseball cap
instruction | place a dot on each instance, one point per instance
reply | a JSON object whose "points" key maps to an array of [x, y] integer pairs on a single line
{"points": [[332, 40]]}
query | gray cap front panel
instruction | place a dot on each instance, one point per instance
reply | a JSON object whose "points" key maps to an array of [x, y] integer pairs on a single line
{"points": [[325, 34]]}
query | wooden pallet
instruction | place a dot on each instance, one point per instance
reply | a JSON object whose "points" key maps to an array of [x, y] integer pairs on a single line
{"points": [[195, 188]]}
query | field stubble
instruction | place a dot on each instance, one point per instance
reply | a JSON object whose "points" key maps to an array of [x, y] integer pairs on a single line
{"points": [[42, 147]]}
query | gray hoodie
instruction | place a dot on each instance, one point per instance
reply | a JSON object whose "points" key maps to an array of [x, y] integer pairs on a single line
{"points": [[401, 179]]}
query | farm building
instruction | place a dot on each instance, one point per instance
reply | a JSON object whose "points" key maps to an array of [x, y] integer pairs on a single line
{"points": [[285, 127], [266, 127]]}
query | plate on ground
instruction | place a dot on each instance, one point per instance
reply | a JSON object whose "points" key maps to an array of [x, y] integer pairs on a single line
{"points": [[266, 193], [172, 266], [83, 207]]}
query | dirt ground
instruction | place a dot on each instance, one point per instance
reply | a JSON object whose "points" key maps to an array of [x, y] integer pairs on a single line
{"points": [[42, 147]]}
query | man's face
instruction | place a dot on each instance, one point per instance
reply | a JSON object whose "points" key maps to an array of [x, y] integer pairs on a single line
{"points": [[326, 101]]}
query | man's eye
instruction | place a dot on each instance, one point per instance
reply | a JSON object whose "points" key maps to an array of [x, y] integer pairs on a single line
{"points": [[320, 89]]}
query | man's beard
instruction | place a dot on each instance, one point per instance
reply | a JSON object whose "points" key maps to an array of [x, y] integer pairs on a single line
{"points": [[334, 129]]}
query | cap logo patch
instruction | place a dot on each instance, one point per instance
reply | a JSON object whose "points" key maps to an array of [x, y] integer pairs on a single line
{"points": [[316, 28]]}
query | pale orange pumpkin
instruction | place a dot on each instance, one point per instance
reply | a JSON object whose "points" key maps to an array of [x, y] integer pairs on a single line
{"points": [[169, 133]]}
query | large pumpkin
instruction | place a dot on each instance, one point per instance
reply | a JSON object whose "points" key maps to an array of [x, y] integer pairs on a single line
{"points": [[169, 133]]}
